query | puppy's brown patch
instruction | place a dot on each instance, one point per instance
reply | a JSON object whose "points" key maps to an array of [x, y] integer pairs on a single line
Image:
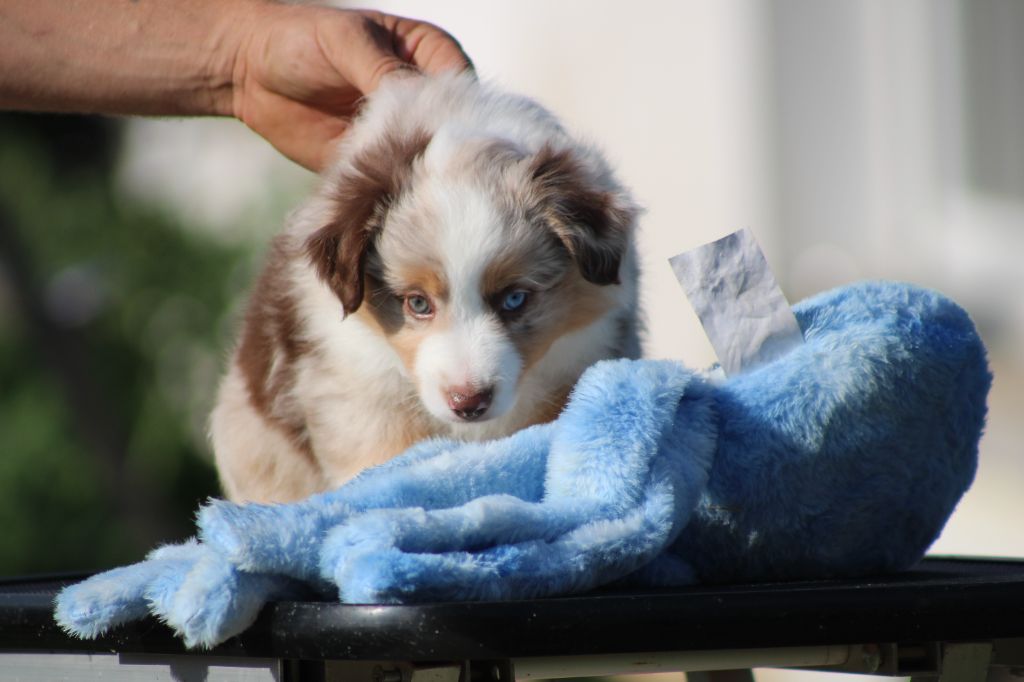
{"points": [[553, 233], [572, 305], [385, 313], [270, 344], [549, 409], [423, 277], [362, 194], [592, 223], [407, 340]]}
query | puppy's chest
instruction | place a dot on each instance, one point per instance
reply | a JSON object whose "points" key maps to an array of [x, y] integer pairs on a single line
{"points": [[354, 422]]}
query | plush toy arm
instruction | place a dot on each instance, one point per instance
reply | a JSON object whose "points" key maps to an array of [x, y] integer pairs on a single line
{"points": [[213, 600], [591, 554], [626, 494], [435, 474]]}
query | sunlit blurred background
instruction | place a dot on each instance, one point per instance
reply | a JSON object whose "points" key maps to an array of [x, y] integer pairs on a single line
{"points": [[856, 139]]}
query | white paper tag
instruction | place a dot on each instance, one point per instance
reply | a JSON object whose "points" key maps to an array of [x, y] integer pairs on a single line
{"points": [[744, 313]]}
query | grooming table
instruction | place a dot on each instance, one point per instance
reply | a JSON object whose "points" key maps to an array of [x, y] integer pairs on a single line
{"points": [[958, 618]]}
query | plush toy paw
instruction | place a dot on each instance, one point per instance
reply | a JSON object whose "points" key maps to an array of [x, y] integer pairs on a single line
{"points": [[107, 599], [190, 587]]}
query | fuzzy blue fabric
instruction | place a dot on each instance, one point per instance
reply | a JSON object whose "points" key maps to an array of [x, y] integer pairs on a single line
{"points": [[843, 458]]}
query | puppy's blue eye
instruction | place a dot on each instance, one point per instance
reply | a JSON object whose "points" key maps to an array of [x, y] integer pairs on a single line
{"points": [[419, 305], [513, 300]]}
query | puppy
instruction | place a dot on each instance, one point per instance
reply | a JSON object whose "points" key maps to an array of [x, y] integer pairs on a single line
{"points": [[459, 266]]}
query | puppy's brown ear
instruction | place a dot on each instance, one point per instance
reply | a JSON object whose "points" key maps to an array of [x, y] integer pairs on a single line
{"points": [[593, 222], [363, 191]]}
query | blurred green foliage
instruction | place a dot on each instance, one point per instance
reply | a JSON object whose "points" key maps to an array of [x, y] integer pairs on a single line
{"points": [[112, 325]]}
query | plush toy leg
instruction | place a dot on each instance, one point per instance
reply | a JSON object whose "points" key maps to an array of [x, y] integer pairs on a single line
{"points": [[286, 538], [212, 600]]}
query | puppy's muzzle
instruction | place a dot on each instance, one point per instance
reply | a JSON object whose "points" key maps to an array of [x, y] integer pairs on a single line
{"points": [[469, 403]]}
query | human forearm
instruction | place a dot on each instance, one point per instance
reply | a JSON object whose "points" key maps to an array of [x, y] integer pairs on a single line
{"points": [[294, 73], [160, 57]]}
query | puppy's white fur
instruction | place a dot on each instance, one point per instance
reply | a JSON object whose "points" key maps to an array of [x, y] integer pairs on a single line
{"points": [[459, 194]]}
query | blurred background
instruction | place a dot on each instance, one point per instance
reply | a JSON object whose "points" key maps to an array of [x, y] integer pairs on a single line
{"points": [[856, 139]]}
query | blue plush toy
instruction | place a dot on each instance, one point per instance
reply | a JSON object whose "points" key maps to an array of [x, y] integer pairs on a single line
{"points": [[844, 457]]}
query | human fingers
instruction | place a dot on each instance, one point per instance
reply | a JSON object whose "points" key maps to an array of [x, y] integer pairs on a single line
{"points": [[360, 47], [366, 46], [426, 46]]}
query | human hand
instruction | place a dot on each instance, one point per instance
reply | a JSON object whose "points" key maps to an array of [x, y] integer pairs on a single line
{"points": [[301, 71]]}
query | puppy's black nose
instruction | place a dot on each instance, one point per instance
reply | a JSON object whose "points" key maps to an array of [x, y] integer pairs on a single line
{"points": [[469, 403]]}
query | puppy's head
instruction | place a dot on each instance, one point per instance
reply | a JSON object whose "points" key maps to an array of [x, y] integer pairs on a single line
{"points": [[472, 256]]}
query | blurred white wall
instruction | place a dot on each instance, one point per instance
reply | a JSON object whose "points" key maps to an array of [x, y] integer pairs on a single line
{"points": [[899, 153], [855, 139]]}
